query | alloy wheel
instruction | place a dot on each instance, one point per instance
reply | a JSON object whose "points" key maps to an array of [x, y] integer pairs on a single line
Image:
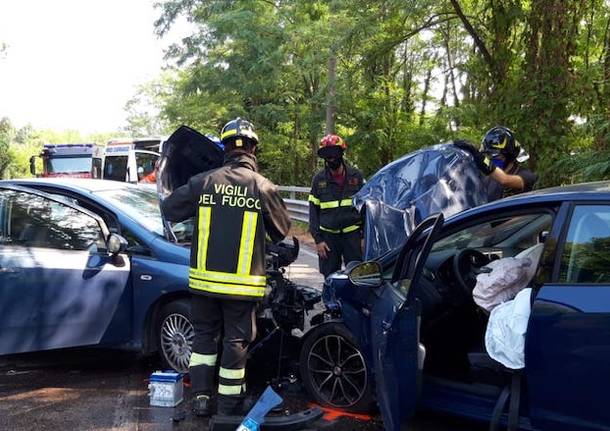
{"points": [[337, 371], [177, 335]]}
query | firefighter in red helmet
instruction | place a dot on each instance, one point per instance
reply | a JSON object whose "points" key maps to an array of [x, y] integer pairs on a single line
{"points": [[334, 224]]}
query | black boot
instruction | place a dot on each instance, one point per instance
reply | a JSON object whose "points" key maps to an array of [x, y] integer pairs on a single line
{"points": [[230, 406], [202, 405]]}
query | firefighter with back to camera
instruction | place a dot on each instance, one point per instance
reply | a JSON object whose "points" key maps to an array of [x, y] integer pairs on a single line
{"points": [[235, 209]]}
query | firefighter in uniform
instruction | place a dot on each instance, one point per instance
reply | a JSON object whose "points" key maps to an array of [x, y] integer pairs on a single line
{"points": [[498, 160], [235, 208], [335, 225]]}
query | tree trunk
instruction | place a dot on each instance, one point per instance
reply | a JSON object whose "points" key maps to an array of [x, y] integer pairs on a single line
{"points": [[443, 101], [547, 77], [407, 82], [603, 136], [424, 97], [331, 92], [478, 41], [450, 65], [296, 169]]}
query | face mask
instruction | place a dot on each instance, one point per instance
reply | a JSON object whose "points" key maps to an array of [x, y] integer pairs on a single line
{"points": [[334, 164], [499, 163]]}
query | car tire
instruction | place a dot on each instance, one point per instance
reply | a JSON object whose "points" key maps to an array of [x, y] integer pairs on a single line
{"points": [[174, 334], [334, 371]]}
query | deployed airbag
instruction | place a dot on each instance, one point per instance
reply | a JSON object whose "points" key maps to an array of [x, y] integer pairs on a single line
{"points": [[505, 336], [508, 277], [442, 178]]}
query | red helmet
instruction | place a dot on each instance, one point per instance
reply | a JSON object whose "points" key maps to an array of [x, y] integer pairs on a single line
{"points": [[331, 146]]}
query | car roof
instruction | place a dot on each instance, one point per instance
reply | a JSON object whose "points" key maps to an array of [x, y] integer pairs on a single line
{"points": [[594, 191], [83, 185], [585, 188], [599, 190]]}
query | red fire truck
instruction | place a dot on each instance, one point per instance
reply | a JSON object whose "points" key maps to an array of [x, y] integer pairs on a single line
{"points": [[69, 160]]}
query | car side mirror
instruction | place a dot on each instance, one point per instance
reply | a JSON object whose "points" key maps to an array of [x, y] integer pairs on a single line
{"points": [[116, 244], [366, 274], [542, 236]]}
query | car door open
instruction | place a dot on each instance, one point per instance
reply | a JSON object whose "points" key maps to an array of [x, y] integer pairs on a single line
{"points": [[395, 315]]}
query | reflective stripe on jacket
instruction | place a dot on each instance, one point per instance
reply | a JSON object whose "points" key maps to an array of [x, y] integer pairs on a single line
{"points": [[235, 207], [330, 206]]}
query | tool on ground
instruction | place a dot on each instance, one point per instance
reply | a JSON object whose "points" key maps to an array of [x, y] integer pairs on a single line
{"points": [[267, 401]]}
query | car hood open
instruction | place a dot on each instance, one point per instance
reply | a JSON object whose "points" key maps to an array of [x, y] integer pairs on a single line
{"points": [[184, 154], [442, 178]]}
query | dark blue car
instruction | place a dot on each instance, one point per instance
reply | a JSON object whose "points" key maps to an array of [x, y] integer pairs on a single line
{"points": [[87, 262], [404, 329]]}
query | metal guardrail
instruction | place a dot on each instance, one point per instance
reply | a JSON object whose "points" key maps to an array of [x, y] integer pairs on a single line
{"points": [[298, 209]]}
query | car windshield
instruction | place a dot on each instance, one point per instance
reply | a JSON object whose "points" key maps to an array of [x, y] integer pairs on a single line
{"points": [[63, 165], [139, 203]]}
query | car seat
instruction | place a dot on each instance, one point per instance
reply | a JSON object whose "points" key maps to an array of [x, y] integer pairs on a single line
{"points": [[484, 368]]}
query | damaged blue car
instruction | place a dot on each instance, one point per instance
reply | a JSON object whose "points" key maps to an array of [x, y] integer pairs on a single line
{"points": [[402, 329]]}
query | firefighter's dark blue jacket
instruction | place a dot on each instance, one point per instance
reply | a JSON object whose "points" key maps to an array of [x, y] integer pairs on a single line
{"points": [[235, 208]]}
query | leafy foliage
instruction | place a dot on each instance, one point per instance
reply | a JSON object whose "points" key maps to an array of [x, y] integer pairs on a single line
{"points": [[541, 68], [408, 75]]}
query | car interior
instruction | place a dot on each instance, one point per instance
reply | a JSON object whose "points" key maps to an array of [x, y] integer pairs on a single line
{"points": [[453, 325]]}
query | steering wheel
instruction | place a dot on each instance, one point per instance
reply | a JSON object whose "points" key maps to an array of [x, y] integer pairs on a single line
{"points": [[466, 266]]}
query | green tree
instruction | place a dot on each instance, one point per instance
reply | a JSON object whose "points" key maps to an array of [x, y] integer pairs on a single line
{"points": [[7, 133], [144, 109], [404, 77]]}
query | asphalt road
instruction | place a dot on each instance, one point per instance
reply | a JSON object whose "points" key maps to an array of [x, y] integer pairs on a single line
{"points": [[91, 389], [96, 389]]}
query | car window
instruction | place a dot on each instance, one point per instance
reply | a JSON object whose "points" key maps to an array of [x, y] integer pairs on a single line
{"points": [[586, 253], [34, 221], [184, 230], [516, 232], [115, 168], [146, 162], [139, 203], [134, 245]]}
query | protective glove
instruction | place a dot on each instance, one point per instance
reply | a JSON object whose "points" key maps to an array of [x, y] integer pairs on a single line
{"points": [[482, 161]]}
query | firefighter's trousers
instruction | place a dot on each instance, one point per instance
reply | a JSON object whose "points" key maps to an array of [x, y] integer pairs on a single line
{"points": [[236, 319], [343, 246]]}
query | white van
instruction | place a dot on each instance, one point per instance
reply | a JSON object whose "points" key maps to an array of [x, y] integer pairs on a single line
{"points": [[131, 161]]}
